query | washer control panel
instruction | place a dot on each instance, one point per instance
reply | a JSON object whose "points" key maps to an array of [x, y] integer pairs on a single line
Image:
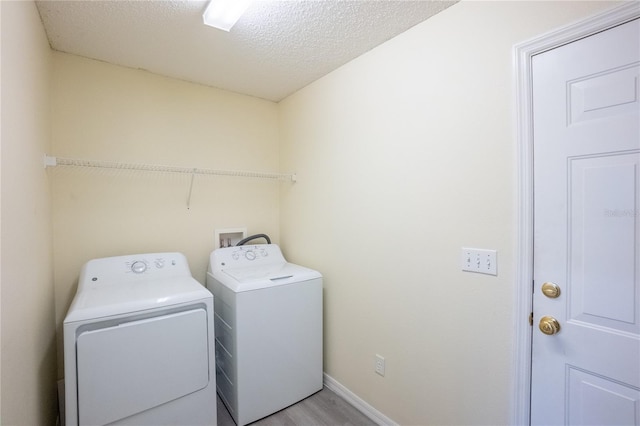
{"points": [[247, 255], [124, 269]]}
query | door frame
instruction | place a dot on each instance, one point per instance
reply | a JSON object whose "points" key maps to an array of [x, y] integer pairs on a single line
{"points": [[523, 295]]}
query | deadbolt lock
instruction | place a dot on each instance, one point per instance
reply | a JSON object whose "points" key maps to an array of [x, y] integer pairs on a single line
{"points": [[551, 290]]}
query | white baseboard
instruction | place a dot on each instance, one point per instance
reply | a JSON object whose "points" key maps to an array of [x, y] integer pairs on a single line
{"points": [[353, 399]]}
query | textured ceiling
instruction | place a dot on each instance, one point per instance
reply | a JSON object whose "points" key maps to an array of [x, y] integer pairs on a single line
{"points": [[276, 48]]}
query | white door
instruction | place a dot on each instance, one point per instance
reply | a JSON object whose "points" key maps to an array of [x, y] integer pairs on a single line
{"points": [[586, 112]]}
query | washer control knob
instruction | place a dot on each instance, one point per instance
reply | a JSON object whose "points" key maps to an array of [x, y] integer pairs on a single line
{"points": [[250, 255], [138, 267]]}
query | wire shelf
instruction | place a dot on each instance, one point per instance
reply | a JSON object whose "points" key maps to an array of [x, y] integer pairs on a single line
{"points": [[50, 161], [72, 162]]}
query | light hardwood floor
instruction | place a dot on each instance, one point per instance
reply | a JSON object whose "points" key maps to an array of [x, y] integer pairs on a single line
{"points": [[323, 408]]}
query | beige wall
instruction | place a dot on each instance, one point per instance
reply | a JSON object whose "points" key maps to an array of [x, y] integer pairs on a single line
{"points": [[404, 156], [28, 327], [0, 216], [109, 113]]}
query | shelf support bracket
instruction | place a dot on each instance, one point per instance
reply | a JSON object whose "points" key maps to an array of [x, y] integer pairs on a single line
{"points": [[193, 176]]}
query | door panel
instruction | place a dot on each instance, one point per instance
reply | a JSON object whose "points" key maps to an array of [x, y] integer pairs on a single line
{"points": [[587, 393], [603, 241], [605, 94], [586, 106], [132, 367]]}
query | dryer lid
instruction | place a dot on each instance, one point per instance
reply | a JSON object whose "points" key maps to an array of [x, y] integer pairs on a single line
{"points": [[109, 300]]}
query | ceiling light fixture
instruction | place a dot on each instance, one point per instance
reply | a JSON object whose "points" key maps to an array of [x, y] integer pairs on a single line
{"points": [[223, 14]]}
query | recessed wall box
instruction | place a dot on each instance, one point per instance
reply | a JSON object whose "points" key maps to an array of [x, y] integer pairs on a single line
{"points": [[229, 237]]}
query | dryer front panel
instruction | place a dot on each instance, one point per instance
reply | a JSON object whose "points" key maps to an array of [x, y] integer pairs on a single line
{"points": [[126, 369]]}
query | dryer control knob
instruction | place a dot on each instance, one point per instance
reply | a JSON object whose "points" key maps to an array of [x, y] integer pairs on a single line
{"points": [[138, 267], [250, 255]]}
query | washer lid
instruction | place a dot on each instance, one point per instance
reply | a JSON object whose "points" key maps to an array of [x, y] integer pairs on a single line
{"points": [[110, 300], [264, 276]]}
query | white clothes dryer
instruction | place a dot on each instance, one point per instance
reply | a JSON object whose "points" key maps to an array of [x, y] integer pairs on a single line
{"points": [[139, 344], [268, 319]]}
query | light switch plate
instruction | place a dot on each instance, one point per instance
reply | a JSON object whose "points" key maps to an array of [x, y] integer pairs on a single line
{"points": [[482, 261]]}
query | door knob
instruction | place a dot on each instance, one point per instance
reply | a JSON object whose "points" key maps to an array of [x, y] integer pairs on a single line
{"points": [[551, 290], [549, 325]]}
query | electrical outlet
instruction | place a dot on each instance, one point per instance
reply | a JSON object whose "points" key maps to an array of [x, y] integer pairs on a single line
{"points": [[379, 366], [479, 260]]}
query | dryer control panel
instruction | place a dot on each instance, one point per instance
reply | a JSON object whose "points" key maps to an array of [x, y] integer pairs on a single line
{"points": [[141, 265], [123, 269]]}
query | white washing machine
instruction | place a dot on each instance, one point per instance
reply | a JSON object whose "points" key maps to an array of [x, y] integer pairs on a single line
{"points": [[139, 344], [268, 318]]}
